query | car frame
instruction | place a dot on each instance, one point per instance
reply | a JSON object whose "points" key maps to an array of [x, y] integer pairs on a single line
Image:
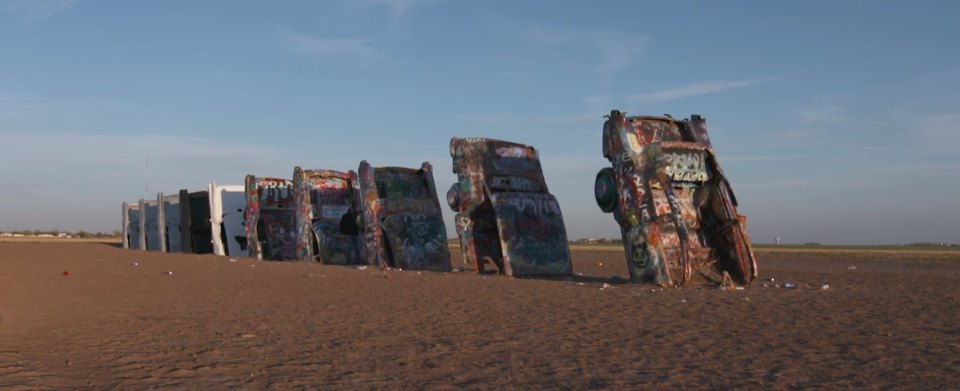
{"points": [[270, 218], [675, 207], [322, 197], [504, 211], [402, 220], [195, 230]]}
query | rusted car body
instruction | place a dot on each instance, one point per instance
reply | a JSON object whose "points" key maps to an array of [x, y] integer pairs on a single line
{"points": [[504, 210], [269, 219], [195, 234], [402, 222], [322, 198], [676, 210]]}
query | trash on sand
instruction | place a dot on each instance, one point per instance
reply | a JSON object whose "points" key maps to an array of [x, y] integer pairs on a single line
{"points": [[169, 273], [599, 263], [136, 264], [851, 267], [232, 260], [605, 286], [825, 286], [580, 284], [789, 285], [362, 267], [727, 283]]}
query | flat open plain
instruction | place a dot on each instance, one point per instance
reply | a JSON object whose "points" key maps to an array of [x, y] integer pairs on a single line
{"points": [[93, 316]]}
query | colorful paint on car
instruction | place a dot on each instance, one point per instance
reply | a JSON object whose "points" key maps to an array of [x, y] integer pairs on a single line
{"points": [[505, 213], [675, 207], [402, 222], [322, 198], [269, 219]]}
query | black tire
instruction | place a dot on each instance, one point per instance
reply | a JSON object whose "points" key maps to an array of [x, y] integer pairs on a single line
{"points": [[605, 190], [453, 197]]}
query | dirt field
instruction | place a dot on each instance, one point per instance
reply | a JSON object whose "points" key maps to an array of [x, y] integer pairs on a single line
{"points": [[92, 316]]}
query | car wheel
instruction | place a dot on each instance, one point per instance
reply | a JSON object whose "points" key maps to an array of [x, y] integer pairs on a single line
{"points": [[453, 197], [605, 190]]}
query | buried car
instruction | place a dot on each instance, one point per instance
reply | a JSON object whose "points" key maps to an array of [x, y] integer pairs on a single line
{"points": [[323, 198], [131, 226], [403, 225], [676, 210], [169, 223], [504, 210], [195, 236], [269, 218], [227, 234]]}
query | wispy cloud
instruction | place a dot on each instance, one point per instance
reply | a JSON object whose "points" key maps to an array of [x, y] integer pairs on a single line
{"points": [[702, 88], [355, 50], [613, 51], [618, 51], [36, 10], [825, 114], [762, 158], [399, 8]]}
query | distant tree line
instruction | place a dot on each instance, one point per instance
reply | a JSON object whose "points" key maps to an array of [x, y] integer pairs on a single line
{"points": [[597, 241], [56, 232]]}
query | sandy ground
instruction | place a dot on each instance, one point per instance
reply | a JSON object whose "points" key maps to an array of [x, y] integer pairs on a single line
{"points": [[92, 316]]}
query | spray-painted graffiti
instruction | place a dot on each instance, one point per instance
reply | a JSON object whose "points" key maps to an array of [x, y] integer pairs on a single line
{"points": [[535, 239], [674, 206], [323, 202], [514, 183], [504, 213], [685, 166], [403, 226], [269, 218]]}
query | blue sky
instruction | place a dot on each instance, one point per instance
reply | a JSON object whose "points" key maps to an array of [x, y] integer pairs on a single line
{"points": [[835, 121]]}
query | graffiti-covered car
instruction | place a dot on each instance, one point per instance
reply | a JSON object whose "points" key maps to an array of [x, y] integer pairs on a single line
{"points": [[505, 213], [269, 218], [402, 221], [323, 198], [676, 210]]}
